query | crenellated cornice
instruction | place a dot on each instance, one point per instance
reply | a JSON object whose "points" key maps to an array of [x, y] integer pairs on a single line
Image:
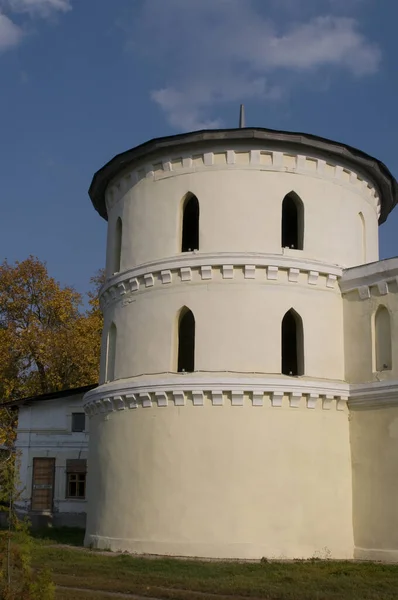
{"points": [[370, 280], [285, 151], [245, 158], [289, 267], [209, 390]]}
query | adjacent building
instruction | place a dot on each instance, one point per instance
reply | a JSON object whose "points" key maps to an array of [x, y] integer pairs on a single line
{"points": [[51, 445]]}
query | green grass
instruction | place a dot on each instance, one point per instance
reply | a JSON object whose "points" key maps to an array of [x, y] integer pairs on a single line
{"points": [[182, 579], [72, 536]]}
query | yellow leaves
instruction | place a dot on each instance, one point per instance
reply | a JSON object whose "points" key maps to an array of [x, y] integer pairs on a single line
{"points": [[46, 343]]}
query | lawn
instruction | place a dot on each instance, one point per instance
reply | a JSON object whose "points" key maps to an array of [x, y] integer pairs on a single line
{"points": [[175, 579]]}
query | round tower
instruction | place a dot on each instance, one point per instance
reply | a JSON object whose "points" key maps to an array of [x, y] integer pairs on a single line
{"points": [[220, 425]]}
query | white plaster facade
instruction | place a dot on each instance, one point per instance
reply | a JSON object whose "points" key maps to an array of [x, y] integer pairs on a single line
{"points": [[235, 459], [45, 431]]}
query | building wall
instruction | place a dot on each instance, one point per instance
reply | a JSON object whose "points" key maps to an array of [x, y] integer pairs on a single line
{"points": [[230, 315], [240, 206], [44, 430], [222, 481], [374, 446], [365, 289], [373, 407], [235, 459]]}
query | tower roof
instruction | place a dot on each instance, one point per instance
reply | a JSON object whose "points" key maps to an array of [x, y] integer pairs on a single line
{"points": [[302, 142]]}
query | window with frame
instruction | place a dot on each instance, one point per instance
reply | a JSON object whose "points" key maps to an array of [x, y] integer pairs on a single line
{"points": [[76, 471], [78, 422]]}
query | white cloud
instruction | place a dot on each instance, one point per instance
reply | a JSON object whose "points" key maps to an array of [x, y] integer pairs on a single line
{"points": [[42, 8], [216, 51], [10, 34]]}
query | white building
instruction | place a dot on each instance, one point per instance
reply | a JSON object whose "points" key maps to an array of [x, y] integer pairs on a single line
{"points": [[52, 442], [248, 397]]}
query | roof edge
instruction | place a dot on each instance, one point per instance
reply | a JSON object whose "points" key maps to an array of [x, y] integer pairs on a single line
{"points": [[377, 170], [49, 396]]}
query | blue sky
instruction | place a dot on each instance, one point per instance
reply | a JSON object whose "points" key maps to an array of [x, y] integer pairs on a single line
{"points": [[82, 80]]}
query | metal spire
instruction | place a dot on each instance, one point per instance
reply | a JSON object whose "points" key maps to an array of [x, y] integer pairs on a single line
{"points": [[242, 116]]}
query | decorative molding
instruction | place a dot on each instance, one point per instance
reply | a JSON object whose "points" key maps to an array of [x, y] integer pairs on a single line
{"points": [[206, 272], [228, 271], [257, 398], [250, 271], [180, 390], [198, 398], [119, 402], [342, 403], [131, 401], [379, 394], [276, 398], [149, 280], [161, 398], [166, 276], [237, 398], [179, 398], [185, 265], [382, 286], [364, 292], [374, 279], [313, 277], [146, 400], [217, 398], [312, 399], [120, 395], [249, 158], [327, 402], [134, 284], [293, 274], [295, 399], [272, 273], [186, 274], [331, 281]]}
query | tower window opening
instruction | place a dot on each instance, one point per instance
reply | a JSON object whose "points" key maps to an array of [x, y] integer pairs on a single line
{"points": [[383, 349], [190, 224], [111, 353], [117, 247], [362, 226], [186, 342], [292, 344], [292, 222]]}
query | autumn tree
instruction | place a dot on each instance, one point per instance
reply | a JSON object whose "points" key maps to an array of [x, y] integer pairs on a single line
{"points": [[47, 342]]}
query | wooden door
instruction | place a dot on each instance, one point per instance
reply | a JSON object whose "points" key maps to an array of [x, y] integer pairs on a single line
{"points": [[43, 483]]}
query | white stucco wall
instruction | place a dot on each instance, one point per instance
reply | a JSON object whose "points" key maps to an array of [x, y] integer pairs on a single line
{"points": [[240, 208], [234, 460], [374, 444], [230, 316], [365, 289], [221, 481]]}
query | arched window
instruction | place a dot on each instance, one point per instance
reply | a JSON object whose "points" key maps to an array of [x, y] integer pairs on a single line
{"points": [[362, 233], [111, 353], [186, 341], [117, 246], [292, 222], [190, 224], [383, 352], [292, 344]]}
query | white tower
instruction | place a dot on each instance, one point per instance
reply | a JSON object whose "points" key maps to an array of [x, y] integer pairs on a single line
{"points": [[220, 426]]}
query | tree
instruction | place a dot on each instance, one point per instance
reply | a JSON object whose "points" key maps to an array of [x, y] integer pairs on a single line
{"points": [[47, 343], [18, 580]]}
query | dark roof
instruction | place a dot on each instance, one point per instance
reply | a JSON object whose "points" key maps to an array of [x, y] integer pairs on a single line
{"points": [[50, 396], [366, 164]]}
